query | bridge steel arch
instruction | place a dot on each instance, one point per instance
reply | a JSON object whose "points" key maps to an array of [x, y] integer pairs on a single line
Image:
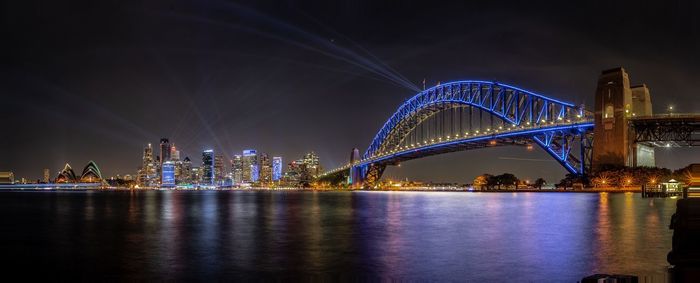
{"points": [[556, 126]]}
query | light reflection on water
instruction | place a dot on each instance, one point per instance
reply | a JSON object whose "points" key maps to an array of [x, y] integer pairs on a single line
{"points": [[186, 235]]}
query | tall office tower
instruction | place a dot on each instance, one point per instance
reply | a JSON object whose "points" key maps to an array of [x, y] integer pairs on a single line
{"points": [[237, 169], [615, 103], [164, 150], [250, 166], [47, 176], [147, 175], [174, 154], [208, 168], [186, 173], [312, 163], [276, 168], [168, 174], [218, 168], [265, 168], [178, 171]]}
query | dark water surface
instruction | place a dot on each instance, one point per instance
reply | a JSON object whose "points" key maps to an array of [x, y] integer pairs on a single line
{"points": [[439, 236]]}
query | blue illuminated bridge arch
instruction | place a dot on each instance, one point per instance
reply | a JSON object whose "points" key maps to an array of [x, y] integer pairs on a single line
{"points": [[433, 122]]}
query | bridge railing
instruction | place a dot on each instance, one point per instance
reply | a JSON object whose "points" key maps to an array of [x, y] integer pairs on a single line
{"points": [[667, 115]]}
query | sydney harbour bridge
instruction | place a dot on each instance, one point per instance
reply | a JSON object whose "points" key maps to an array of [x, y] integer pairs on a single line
{"points": [[470, 114]]}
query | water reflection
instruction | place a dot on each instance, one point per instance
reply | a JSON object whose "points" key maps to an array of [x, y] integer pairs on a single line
{"points": [[215, 235]]}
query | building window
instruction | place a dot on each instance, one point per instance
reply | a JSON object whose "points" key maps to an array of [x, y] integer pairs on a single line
{"points": [[609, 111]]}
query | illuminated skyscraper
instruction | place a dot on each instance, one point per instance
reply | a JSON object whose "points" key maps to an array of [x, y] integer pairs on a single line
{"points": [[250, 166], [186, 172], [218, 168], [312, 163], [276, 168], [208, 168], [174, 154], [164, 150], [237, 169], [147, 174], [265, 168], [47, 175], [168, 174]]}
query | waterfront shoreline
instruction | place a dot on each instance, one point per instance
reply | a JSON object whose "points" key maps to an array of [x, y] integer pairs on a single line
{"points": [[336, 190]]}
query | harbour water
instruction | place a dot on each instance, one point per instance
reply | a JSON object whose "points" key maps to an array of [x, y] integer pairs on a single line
{"points": [[438, 236]]}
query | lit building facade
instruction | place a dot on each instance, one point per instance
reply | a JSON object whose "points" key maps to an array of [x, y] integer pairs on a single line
{"points": [[218, 168], [208, 177], [185, 172], [174, 154], [237, 169], [276, 168], [265, 168], [47, 176], [91, 174], [165, 150], [250, 166], [168, 174], [7, 178], [147, 174], [313, 164]]}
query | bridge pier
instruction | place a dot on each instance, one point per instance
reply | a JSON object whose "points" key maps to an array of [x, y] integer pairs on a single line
{"points": [[616, 102], [365, 176]]}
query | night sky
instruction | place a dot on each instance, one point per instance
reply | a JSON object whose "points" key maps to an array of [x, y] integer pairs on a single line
{"points": [[98, 80]]}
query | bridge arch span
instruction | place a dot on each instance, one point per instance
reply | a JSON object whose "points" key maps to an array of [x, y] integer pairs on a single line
{"points": [[513, 105], [522, 117]]}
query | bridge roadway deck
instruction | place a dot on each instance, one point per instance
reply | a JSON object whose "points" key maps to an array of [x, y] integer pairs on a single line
{"points": [[517, 136]]}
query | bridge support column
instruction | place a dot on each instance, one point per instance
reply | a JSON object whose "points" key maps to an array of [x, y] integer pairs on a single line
{"points": [[365, 176]]}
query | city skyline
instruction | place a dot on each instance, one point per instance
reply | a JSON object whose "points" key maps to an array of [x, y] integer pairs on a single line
{"points": [[257, 77]]}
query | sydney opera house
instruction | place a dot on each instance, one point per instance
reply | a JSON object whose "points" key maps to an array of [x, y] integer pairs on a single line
{"points": [[91, 174]]}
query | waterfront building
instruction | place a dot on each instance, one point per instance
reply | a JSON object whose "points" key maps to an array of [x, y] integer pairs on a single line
{"points": [[301, 171], [66, 175], [168, 174], [47, 176], [265, 168], [91, 173], [165, 150], [228, 180], [196, 175], [185, 172], [296, 172], [218, 168], [178, 171], [312, 164], [250, 166], [147, 174], [237, 169], [276, 168], [208, 177], [174, 153], [7, 178]]}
